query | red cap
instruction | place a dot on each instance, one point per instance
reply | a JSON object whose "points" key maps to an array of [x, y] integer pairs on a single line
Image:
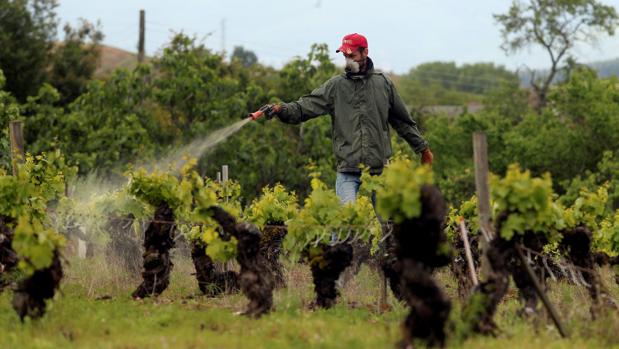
{"points": [[352, 42]]}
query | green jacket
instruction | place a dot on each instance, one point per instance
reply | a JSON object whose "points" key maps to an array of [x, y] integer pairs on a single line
{"points": [[362, 106]]}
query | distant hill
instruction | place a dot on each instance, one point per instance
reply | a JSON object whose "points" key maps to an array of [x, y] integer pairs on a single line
{"points": [[604, 69], [113, 58]]}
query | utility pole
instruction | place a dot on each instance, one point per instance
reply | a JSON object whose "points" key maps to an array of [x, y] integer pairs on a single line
{"points": [[223, 37], [141, 38]]}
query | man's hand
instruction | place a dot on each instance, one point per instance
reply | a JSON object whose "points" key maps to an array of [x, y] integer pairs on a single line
{"points": [[427, 157], [271, 110], [267, 110]]}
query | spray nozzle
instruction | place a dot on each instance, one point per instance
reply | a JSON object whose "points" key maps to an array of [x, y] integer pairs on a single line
{"points": [[265, 110]]}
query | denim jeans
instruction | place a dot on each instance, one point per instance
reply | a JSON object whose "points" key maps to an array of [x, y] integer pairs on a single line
{"points": [[347, 186]]}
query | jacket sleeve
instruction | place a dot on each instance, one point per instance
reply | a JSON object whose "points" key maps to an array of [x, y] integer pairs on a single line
{"points": [[404, 125], [317, 103]]}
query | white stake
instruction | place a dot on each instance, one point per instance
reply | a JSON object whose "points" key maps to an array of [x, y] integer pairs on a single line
{"points": [[467, 250]]}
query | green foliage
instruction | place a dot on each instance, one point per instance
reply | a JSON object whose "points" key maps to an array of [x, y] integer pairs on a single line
{"points": [[189, 91], [24, 204], [591, 209], [31, 55], [207, 232], [27, 32], [196, 88], [588, 209], [605, 172], [525, 200], [49, 173], [15, 197], [323, 220], [35, 244], [157, 188], [275, 206], [191, 199], [247, 58], [75, 60], [606, 238], [399, 192], [207, 236], [111, 123], [563, 141], [466, 211], [445, 83], [120, 203]]}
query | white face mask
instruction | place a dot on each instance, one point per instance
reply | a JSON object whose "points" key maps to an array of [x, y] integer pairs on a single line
{"points": [[352, 66]]}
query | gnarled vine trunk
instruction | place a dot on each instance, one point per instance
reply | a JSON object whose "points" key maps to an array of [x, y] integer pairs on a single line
{"points": [[270, 247], [123, 246], [157, 265], [478, 313], [577, 244], [389, 265], [326, 270], [210, 281], [255, 277], [32, 292], [420, 247], [8, 257]]}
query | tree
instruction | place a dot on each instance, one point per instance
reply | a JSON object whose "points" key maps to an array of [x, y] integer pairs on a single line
{"points": [[27, 32], [246, 57], [75, 60], [196, 87], [9, 110], [557, 26], [445, 83]]}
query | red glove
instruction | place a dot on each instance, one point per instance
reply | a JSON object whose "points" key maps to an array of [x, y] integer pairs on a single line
{"points": [[427, 157]]}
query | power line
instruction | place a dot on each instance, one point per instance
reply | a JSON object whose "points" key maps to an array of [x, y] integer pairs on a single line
{"points": [[435, 73]]}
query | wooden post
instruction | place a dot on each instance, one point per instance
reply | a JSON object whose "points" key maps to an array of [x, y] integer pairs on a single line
{"points": [[382, 299], [540, 292], [16, 132], [467, 251], [218, 177], [224, 178], [480, 155], [224, 173], [141, 38]]}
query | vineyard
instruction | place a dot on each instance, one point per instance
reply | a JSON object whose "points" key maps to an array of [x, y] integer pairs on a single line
{"points": [[185, 200], [250, 260]]}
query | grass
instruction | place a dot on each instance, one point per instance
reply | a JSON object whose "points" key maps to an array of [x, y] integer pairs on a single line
{"points": [[94, 310]]}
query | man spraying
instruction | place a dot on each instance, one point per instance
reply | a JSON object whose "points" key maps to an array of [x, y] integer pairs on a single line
{"points": [[362, 103]]}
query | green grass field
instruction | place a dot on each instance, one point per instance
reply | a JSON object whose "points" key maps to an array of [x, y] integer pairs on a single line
{"points": [[94, 310]]}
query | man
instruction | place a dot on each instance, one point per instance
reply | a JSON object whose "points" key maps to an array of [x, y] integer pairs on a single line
{"points": [[362, 103]]}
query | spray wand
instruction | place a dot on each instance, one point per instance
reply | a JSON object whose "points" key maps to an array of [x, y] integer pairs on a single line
{"points": [[269, 110]]}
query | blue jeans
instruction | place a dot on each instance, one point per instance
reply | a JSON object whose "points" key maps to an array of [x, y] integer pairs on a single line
{"points": [[347, 186]]}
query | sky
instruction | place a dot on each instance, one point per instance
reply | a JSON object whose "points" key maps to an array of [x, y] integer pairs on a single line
{"points": [[401, 33]]}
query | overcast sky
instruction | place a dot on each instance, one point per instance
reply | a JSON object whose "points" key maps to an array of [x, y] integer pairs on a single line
{"points": [[401, 33]]}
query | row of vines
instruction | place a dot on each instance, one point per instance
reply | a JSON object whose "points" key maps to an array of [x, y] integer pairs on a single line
{"points": [[409, 230]]}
